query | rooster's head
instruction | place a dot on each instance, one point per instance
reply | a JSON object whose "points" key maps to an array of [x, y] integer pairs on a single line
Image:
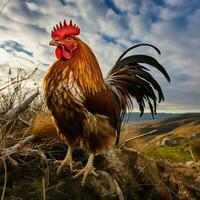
{"points": [[63, 37]]}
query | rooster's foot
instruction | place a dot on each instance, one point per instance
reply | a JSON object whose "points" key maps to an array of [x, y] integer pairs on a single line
{"points": [[87, 170], [66, 162]]}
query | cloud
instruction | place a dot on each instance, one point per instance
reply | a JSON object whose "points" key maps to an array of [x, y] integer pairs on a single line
{"points": [[109, 27], [11, 46]]}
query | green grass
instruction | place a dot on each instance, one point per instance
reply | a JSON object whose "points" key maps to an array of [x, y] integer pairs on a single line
{"points": [[180, 153]]}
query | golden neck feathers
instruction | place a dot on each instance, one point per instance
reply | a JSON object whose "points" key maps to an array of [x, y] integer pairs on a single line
{"points": [[82, 68]]}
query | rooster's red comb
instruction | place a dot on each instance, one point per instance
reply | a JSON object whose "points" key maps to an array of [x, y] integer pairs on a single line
{"points": [[61, 30]]}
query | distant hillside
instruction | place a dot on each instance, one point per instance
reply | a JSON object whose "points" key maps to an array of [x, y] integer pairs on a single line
{"points": [[182, 124], [183, 128], [135, 116]]}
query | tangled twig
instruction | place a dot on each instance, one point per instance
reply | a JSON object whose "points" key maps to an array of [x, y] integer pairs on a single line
{"points": [[19, 80], [5, 179], [17, 147], [12, 113], [43, 189], [136, 137], [24, 121], [118, 190], [4, 5]]}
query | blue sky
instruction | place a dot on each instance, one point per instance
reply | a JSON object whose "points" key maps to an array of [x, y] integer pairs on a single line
{"points": [[109, 27]]}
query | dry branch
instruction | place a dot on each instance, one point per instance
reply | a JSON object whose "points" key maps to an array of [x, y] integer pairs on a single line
{"points": [[192, 187], [43, 189], [118, 190], [24, 121], [55, 187], [5, 179], [12, 113], [17, 147], [4, 5], [34, 152], [136, 137], [19, 80]]}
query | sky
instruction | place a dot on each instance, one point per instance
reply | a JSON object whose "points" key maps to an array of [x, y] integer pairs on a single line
{"points": [[109, 27]]}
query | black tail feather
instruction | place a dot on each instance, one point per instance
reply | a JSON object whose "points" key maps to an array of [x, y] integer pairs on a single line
{"points": [[135, 46], [131, 60], [129, 80]]}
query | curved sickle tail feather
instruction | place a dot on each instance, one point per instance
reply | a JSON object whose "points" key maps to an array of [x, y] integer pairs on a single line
{"points": [[129, 80]]}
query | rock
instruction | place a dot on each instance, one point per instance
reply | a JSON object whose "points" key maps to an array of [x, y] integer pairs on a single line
{"points": [[190, 163], [164, 141], [172, 141], [194, 136]]}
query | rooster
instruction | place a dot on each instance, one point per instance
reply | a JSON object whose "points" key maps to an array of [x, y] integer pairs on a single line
{"points": [[88, 108]]}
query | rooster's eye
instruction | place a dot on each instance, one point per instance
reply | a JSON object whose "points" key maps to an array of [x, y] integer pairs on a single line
{"points": [[68, 38]]}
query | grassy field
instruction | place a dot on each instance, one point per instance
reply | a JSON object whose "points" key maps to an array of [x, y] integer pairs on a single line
{"points": [[182, 126]]}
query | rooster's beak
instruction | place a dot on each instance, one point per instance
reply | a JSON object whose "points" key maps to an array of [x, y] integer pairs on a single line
{"points": [[54, 43]]}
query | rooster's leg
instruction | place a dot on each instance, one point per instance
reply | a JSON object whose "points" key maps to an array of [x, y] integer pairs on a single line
{"points": [[67, 161], [87, 170]]}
